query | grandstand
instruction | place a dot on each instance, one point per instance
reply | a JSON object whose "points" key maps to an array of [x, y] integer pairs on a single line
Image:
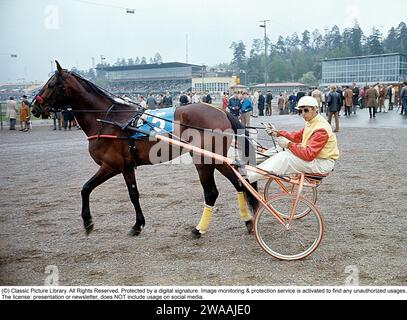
{"points": [[16, 90], [174, 77]]}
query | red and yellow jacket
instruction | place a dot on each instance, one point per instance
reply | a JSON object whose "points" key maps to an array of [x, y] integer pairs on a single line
{"points": [[315, 141]]}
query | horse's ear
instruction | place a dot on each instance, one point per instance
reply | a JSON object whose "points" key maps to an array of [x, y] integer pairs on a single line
{"points": [[59, 68]]}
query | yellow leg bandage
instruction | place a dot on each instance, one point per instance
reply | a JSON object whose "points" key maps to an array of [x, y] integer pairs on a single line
{"points": [[206, 218], [244, 210]]}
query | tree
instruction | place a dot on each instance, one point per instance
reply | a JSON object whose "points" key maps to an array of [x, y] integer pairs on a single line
{"points": [[309, 79], [137, 61], [239, 55], [143, 60], [401, 32], [257, 48], [306, 40], [294, 41], [130, 62], [333, 39], [300, 64], [281, 45], [279, 69], [374, 42], [391, 43], [317, 40], [157, 58], [356, 36]]}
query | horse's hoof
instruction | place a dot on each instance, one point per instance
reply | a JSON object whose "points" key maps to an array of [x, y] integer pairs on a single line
{"points": [[89, 227], [135, 232], [196, 234], [249, 226]]}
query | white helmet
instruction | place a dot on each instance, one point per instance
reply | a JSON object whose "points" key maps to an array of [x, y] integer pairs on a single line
{"points": [[307, 101]]}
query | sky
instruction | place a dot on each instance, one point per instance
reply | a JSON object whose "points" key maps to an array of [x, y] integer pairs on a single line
{"points": [[34, 33]]}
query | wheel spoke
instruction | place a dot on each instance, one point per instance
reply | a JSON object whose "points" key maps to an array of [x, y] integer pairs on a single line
{"points": [[296, 242]]}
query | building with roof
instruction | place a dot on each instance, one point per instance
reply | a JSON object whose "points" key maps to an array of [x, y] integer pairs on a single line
{"points": [[283, 87], [366, 70], [142, 79], [214, 84]]}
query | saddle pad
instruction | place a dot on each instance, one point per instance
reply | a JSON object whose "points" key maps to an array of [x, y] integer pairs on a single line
{"points": [[164, 126]]}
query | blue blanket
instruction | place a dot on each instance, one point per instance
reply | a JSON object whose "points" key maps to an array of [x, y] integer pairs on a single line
{"points": [[165, 126]]}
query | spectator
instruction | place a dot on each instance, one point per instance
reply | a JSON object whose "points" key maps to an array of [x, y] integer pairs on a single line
{"points": [[196, 98], [68, 118], [348, 101], [56, 117], [355, 97], [269, 99], [167, 101], [24, 115], [371, 96], [235, 105], [151, 102], [386, 99], [341, 100], [262, 102], [12, 112], [183, 100], [403, 98], [293, 103], [300, 94], [317, 94], [160, 101], [280, 104], [334, 106], [255, 104], [142, 102], [208, 98], [225, 101], [246, 110]]}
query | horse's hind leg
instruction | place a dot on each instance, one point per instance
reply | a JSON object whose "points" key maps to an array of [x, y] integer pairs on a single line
{"points": [[206, 176], [130, 178], [242, 195], [100, 177]]}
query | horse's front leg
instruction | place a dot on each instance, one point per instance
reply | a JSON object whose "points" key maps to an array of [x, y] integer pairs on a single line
{"points": [[100, 177], [206, 176], [130, 178]]}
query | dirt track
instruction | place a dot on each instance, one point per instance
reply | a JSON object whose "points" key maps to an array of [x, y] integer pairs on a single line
{"points": [[42, 172]]}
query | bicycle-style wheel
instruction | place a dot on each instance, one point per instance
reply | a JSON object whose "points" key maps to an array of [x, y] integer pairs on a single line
{"points": [[273, 188], [296, 242]]}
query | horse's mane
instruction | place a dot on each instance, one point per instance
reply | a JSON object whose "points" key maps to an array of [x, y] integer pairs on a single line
{"points": [[91, 87]]}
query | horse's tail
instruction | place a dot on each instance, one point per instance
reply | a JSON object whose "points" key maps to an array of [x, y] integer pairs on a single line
{"points": [[249, 156]]}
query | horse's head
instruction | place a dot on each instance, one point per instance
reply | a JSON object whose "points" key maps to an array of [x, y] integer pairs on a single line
{"points": [[53, 95]]}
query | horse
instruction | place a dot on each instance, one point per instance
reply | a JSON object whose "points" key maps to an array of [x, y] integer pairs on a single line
{"points": [[116, 152]]}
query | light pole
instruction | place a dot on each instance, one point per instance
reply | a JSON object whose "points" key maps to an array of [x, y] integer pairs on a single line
{"points": [[203, 79], [264, 25]]}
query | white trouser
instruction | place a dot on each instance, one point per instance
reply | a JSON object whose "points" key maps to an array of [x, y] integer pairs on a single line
{"points": [[286, 163], [255, 110], [386, 105]]}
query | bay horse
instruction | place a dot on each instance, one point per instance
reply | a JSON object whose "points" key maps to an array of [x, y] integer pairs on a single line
{"points": [[114, 150]]}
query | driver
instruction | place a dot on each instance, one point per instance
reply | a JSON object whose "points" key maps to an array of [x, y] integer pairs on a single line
{"points": [[312, 150]]}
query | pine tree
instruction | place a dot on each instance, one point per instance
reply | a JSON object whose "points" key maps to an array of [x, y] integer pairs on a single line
{"points": [[239, 55], [391, 43], [374, 42], [306, 40], [401, 32]]}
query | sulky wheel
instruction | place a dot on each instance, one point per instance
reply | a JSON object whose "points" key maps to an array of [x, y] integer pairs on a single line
{"points": [[293, 242]]}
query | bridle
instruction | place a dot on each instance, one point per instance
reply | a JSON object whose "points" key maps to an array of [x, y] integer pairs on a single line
{"points": [[41, 103]]}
